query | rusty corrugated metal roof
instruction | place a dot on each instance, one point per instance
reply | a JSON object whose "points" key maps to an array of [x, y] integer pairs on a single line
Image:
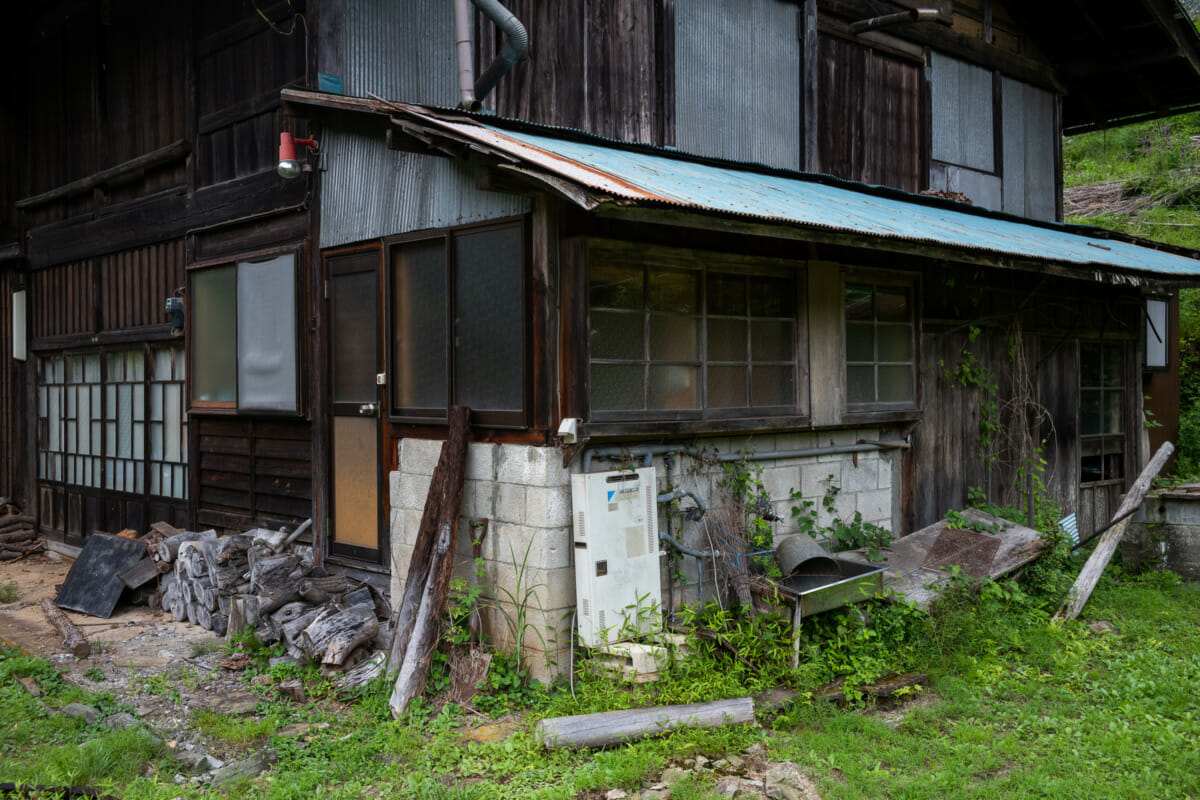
{"points": [[593, 171]]}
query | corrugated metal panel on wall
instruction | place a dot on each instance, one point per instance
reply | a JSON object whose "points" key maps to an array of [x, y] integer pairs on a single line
{"points": [[369, 191], [981, 189], [961, 114], [1028, 143], [400, 50], [737, 80]]}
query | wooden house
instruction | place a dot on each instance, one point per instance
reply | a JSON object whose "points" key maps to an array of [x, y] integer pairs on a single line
{"points": [[677, 226]]}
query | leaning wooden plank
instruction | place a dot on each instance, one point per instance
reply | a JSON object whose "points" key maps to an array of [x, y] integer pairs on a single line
{"points": [[140, 573], [1089, 576], [615, 727], [441, 503], [414, 670], [73, 638]]}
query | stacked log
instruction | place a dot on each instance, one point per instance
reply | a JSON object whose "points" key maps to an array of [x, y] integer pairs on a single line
{"points": [[263, 578], [17, 535]]}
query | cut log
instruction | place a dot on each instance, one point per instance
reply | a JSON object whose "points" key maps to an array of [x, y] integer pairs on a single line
{"points": [[364, 672], [21, 534], [331, 639], [200, 615], [293, 536], [269, 539], [1089, 576], [615, 727], [293, 630], [442, 504], [73, 638], [164, 529], [357, 597], [16, 521], [168, 549]]}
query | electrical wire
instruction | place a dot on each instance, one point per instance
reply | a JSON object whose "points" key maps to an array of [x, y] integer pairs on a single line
{"points": [[290, 31]]}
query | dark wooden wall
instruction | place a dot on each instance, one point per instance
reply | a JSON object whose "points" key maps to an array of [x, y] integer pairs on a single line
{"points": [[870, 107], [947, 459], [614, 90], [241, 64], [252, 472]]}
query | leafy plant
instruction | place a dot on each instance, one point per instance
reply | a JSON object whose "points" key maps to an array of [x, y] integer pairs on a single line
{"points": [[9, 592], [840, 534]]}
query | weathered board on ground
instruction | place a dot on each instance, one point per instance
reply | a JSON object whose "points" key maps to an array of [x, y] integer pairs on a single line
{"points": [[909, 558], [615, 727], [94, 585]]}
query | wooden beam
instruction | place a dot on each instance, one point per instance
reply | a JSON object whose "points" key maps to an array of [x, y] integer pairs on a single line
{"points": [[811, 91], [162, 216], [163, 155], [615, 727], [1170, 23], [1089, 576], [73, 638]]}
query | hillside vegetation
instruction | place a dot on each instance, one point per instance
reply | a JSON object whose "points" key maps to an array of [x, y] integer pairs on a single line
{"points": [[1144, 180]]}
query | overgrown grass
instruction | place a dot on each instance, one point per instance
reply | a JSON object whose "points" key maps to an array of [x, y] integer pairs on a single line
{"points": [[1019, 707], [9, 592]]}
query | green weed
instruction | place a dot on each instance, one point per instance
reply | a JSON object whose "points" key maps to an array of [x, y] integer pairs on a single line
{"points": [[9, 592]]}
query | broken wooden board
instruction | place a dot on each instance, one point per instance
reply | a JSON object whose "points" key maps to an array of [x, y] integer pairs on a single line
{"points": [[140, 573], [94, 585], [908, 575]]}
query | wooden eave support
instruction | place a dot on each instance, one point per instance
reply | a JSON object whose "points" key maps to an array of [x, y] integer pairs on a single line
{"points": [[1170, 25]]}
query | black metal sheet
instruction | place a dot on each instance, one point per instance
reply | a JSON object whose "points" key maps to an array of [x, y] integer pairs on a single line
{"points": [[93, 585], [972, 552]]}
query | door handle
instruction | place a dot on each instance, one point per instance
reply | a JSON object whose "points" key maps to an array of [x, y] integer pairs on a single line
{"points": [[367, 410]]}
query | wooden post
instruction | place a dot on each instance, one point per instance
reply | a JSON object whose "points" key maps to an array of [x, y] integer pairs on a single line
{"points": [[614, 727], [1089, 576], [73, 638], [441, 504]]}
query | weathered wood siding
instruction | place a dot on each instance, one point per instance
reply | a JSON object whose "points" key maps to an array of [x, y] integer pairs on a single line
{"points": [[241, 64], [870, 115], [118, 291], [252, 472], [591, 66], [1042, 353], [12, 386]]}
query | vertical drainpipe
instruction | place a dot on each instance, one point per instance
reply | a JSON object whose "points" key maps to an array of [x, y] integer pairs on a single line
{"points": [[462, 43], [516, 42]]}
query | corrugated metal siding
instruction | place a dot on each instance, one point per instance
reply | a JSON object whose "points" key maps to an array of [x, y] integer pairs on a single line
{"points": [[737, 80], [10, 392], [1028, 143], [369, 191], [400, 50], [981, 189], [961, 114]]}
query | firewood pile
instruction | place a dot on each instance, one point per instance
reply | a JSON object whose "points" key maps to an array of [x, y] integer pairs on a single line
{"points": [[17, 536], [263, 578]]}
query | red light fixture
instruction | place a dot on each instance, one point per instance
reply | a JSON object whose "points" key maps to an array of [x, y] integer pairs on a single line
{"points": [[289, 166]]}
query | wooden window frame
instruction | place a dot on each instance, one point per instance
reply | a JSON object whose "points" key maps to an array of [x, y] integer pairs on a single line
{"points": [[1104, 390], [704, 418], [877, 411], [519, 419], [225, 407]]}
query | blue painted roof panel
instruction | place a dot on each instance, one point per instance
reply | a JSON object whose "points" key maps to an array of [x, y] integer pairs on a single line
{"points": [[801, 200]]}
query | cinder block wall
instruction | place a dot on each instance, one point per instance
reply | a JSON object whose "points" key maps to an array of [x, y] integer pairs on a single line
{"points": [[524, 492]]}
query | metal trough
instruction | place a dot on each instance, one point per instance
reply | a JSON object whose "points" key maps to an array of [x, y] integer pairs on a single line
{"points": [[812, 594]]}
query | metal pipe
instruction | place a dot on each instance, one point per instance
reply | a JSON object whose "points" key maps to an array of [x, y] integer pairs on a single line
{"points": [[648, 451], [516, 42], [899, 18], [694, 514], [466, 66]]}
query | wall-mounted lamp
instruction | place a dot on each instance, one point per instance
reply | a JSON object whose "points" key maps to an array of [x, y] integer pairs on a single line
{"points": [[289, 166], [174, 311]]}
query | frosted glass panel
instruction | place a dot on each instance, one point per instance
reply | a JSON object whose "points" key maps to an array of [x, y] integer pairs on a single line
{"points": [[674, 387], [266, 340], [355, 482], [419, 325], [726, 387], [173, 430], [91, 368], [674, 338], [489, 364], [617, 334], [214, 320], [162, 365], [124, 422], [895, 384], [617, 387]]}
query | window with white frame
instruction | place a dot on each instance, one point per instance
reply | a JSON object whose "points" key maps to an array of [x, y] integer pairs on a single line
{"points": [[114, 420]]}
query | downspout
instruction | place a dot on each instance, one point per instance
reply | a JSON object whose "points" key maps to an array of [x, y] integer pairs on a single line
{"points": [[462, 43]]}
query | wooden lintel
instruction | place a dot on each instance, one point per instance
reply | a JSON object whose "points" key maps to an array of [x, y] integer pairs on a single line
{"points": [[163, 155], [247, 109]]}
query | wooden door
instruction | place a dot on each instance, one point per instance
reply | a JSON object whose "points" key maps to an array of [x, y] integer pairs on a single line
{"points": [[354, 409]]}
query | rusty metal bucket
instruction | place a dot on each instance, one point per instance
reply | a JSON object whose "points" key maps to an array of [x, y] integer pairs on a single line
{"points": [[799, 554]]}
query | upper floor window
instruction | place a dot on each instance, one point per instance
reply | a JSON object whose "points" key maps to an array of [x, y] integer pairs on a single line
{"points": [[243, 327], [691, 339], [1101, 412], [458, 325], [879, 346]]}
